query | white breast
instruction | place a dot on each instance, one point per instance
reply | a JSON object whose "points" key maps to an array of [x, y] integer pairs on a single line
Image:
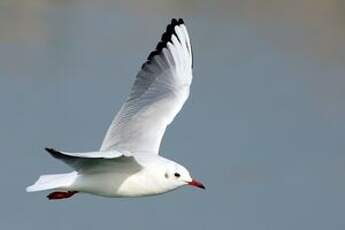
{"points": [[115, 184]]}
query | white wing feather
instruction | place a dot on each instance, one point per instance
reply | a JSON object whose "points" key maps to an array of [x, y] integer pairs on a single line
{"points": [[158, 94]]}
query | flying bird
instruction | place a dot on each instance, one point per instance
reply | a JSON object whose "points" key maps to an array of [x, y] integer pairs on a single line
{"points": [[128, 163]]}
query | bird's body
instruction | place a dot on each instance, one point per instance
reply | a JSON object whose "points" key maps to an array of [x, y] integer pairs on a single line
{"points": [[121, 177], [128, 163]]}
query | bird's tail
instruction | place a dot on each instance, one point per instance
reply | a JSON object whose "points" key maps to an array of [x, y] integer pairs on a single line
{"points": [[55, 181]]}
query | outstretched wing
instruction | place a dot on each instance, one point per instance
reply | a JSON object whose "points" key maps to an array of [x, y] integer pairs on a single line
{"points": [[158, 94], [90, 160]]}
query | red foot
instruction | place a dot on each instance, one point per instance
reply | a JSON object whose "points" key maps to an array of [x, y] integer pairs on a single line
{"points": [[61, 195]]}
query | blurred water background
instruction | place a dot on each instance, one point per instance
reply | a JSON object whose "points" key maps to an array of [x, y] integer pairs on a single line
{"points": [[264, 127]]}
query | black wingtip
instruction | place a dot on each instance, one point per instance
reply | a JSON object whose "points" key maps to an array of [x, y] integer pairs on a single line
{"points": [[52, 151], [166, 37], [177, 21], [56, 154]]}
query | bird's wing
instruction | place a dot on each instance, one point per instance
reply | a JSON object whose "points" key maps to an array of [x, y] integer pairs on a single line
{"points": [[90, 160], [158, 94], [92, 155]]}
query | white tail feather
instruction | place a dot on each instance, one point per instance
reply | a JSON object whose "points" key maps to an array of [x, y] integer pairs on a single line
{"points": [[55, 181]]}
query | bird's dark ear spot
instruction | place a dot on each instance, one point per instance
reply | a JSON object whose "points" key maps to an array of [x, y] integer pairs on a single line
{"points": [[166, 175]]}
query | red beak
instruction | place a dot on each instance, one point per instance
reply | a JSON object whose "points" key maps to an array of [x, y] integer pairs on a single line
{"points": [[196, 183]]}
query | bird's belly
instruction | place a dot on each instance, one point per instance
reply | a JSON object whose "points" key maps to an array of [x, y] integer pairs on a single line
{"points": [[116, 185]]}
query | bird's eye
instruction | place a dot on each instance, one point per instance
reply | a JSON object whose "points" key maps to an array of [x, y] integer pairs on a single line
{"points": [[177, 175]]}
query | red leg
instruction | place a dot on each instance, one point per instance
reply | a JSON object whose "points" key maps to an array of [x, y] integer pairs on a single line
{"points": [[61, 195]]}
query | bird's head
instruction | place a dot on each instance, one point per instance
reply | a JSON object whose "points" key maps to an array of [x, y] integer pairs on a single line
{"points": [[178, 175]]}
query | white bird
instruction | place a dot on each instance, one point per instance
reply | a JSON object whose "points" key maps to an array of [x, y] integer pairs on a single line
{"points": [[128, 163]]}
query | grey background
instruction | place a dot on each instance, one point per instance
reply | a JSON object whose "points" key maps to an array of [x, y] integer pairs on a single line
{"points": [[263, 129]]}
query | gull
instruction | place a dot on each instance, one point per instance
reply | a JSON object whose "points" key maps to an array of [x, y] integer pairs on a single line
{"points": [[128, 163]]}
